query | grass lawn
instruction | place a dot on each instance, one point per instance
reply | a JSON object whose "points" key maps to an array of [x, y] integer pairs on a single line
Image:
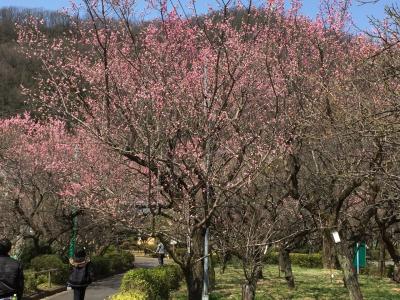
{"points": [[310, 284], [45, 287]]}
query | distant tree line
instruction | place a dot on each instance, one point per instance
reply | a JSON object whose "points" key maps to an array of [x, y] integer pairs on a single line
{"points": [[15, 68]]}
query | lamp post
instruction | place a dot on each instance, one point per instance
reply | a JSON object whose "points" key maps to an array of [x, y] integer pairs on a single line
{"points": [[72, 242], [205, 295]]}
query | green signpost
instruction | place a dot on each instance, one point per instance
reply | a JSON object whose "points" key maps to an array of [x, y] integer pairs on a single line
{"points": [[360, 256], [74, 233]]}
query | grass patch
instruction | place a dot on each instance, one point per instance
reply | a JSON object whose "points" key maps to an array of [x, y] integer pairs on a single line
{"points": [[46, 287], [311, 284]]}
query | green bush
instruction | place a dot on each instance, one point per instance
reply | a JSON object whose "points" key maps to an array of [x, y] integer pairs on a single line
{"points": [[101, 266], [112, 262], [50, 261], [120, 261], [148, 249], [30, 283], [373, 254], [42, 278], [138, 281], [116, 263], [373, 270], [159, 281], [129, 244], [137, 295], [313, 260], [128, 257], [272, 258], [181, 252], [174, 277], [29, 251], [390, 271]]}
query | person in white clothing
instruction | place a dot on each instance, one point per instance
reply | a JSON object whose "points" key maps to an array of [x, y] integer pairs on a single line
{"points": [[161, 253]]}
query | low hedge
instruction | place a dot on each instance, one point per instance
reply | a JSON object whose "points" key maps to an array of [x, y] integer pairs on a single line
{"points": [[111, 263], [313, 260], [151, 284], [272, 258], [51, 261], [120, 261], [137, 295], [101, 266], [373, 270]]}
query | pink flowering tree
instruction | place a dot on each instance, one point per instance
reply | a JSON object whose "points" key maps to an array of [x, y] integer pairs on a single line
{"points": [[30, 188], [196, 107], [48, 170], [188, 105]]}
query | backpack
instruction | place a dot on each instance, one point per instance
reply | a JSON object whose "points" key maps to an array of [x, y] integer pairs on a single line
{"points": [[80, 276]]}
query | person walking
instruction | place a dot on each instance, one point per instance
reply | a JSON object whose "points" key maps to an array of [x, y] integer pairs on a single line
{"points": [[160, 250], [81, 275], [11, 273]]}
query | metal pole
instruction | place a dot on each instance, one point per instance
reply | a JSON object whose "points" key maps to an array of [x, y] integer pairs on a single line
{"points": [[73, 237], [357, 259], [205, 277], [75, 218]]}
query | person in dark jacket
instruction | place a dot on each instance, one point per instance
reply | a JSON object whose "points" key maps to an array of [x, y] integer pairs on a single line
{"points": [[11, 273], [81, 275]]}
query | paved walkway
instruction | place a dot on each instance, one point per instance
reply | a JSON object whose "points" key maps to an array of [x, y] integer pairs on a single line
{"points": [[102, 289]]}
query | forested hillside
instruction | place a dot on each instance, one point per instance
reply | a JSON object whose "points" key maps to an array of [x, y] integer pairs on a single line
{"points": [[15, 68]]}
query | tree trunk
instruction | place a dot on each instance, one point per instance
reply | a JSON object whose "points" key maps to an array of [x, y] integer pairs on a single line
{"points": [[211, 274], [260, 274], [285, 265], [382, 252], [328, 251], [350, 279], [194, 270], [396, 273], [394, 254], [248, 291], [256, 266]]}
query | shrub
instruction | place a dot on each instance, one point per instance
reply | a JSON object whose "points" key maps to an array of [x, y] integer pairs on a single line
{"points": [[159, 281], [313, 260], [120, 261], [42, 278], [101, 266], [137, 295], [113, 261], [373, 254], [30, 282], [390, 271], [50, 261], [181, 252], [128, 245], [148, 249], [116, 263], [374, 270], [128, 257], [174, 277], [272, 258], [138, 281], [29, 252]]}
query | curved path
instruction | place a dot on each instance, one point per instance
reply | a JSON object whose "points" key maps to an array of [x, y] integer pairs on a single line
{"points": [[102, 289]]}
